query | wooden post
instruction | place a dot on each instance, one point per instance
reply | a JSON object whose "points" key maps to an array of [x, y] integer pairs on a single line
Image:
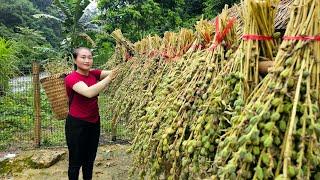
{"points": [[113, 131], [114, 128], [36, 96]]}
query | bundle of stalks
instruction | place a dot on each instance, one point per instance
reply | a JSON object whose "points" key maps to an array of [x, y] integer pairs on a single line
{"points": [[174, 45], [120, 59], [124, 50], [180, 42], [138, 90], [161, 113], [158, 145], [205, 31], [263, 14], [118, 36], [225, 98], [229, 32], [258, 42], [277, 135], [129, 68], [143, 74], [148, 46]]}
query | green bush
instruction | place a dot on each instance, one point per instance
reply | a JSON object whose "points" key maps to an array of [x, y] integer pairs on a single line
{"points": [[16, 114], [8, 61]]}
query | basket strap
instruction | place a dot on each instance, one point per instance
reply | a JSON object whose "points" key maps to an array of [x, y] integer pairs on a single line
{"points": [[64, 75]]}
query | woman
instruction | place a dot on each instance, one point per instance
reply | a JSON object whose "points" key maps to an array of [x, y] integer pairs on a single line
{"points": [[83, 122]]}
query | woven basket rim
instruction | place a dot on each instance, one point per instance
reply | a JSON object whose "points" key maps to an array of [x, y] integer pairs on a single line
{"points": [[54, 76]]}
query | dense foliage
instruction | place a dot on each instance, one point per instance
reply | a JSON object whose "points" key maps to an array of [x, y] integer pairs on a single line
{"points": [[33, 36], [8, 61], [137, 18], [49, 29]]}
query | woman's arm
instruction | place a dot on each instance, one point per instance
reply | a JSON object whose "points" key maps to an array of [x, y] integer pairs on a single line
{"points": [[104, 74], [94, 90]]}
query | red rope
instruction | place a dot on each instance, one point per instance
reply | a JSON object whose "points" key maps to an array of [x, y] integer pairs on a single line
{"points": [[302, 38], [220, 35], [256, 37]]}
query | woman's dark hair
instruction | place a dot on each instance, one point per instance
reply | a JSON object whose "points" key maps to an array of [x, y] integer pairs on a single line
{"points": [[75, 53]]}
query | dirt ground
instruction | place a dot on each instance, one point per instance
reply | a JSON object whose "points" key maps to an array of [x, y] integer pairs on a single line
{"points": [[112, 163]]}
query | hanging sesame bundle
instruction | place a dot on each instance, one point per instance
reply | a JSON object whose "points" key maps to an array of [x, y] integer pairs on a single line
{"points": [[277, 135], [161, 111], [157, 146], [149, 64], [225, 97], [134, 69], [139, 87], [119, 59]]}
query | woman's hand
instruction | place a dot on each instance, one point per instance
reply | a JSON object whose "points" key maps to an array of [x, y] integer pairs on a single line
{"points": [[113, 74]]}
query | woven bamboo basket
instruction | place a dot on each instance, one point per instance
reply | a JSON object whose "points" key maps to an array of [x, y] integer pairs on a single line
{"points": [[56, 92]]}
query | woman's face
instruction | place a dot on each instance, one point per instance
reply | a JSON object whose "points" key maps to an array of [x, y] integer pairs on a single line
{"points": [[84, 60]]}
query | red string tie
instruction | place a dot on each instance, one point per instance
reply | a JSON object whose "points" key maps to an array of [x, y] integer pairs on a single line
{"points": [[256, 37], [302, 38]]}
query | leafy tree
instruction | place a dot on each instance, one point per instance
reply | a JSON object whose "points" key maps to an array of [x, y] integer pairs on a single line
{"points": [[15, 13], [138, 18], [42, 4], [6, 32], [214, 7], [8, 60], [31, 46], [104, 48], [19, 13], [75, 31], [18, 25]]}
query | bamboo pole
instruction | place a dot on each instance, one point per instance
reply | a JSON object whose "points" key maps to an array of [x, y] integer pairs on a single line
{"points": [[36, 95]]}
